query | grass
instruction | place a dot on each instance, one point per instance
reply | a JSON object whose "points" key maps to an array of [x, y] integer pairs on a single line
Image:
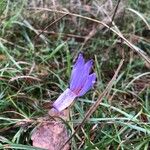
{"points": [[35, 69]]}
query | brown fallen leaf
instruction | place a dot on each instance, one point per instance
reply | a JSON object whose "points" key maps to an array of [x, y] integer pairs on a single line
{"points": [[51, 135]]}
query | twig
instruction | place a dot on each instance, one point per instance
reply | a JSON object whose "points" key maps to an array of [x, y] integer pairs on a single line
{"points": [[63, 34], [5, 41], [49, 26], [115, 11], [24, 77]]}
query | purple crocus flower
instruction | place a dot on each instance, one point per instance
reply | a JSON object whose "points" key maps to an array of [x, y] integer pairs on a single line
{"points": [[81, 81]]}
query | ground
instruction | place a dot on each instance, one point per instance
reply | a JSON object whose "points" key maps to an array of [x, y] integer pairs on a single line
{"points": [[39, 43]]}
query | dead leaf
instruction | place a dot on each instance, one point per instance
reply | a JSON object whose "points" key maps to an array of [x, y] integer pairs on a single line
{"points": [[51, 136]]}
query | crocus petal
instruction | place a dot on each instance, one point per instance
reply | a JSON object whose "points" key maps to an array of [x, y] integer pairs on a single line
{"points": [[64, 100], [79, 61], [77, 69], [88, 66], [85, 73], [88, 84]]}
